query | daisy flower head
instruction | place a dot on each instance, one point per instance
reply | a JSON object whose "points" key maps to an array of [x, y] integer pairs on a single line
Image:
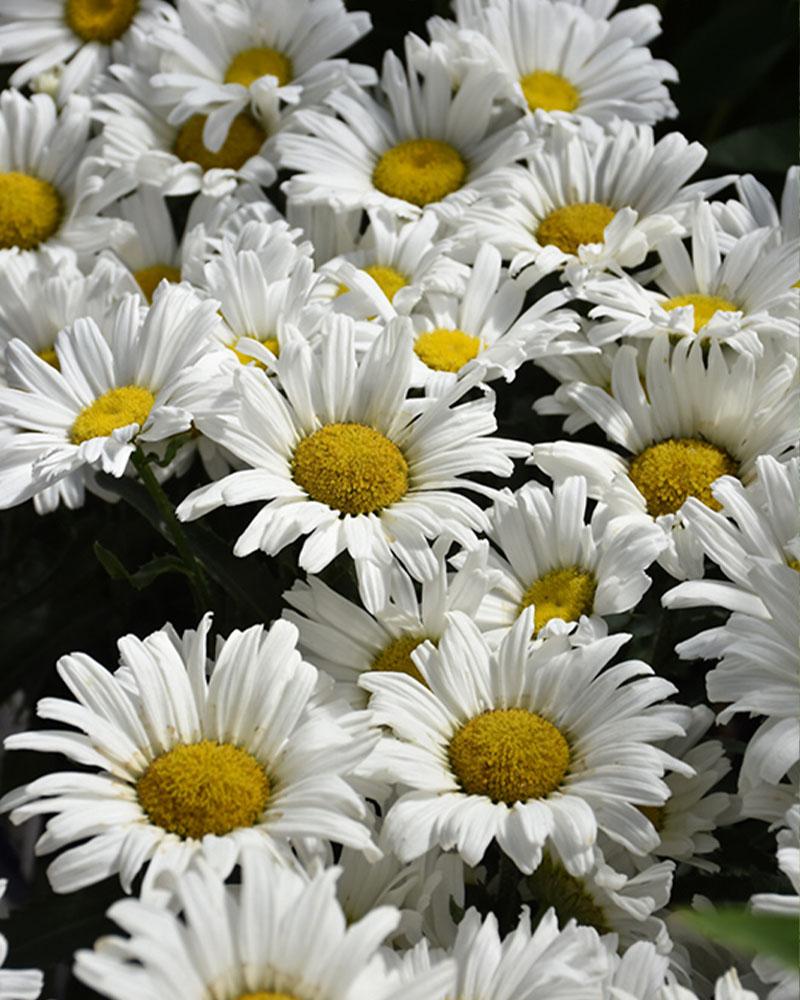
{"points": [[110, 390], [231, 59], [17, 984], [530, 744], [692, 421], [345, 641], [51, 190], [548, 557], [186, 765], [600, 199], [756, 209], [78, 38], [336, 451], [421, 146], [741, 299]]}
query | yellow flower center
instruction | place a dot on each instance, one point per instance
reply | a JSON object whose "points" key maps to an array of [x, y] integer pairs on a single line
{"points": [[120, 407], [350, 467], [245, 138], [446, 350], [510, 755], [100, 20], [552, 885], [420, 171], [562, 593], [387, 279], [668, 473], [571, 226], [49, 355], [656, 815], [149, 278], [200, 788], [251, 64], [268, 995], [31, 211], [704, 307], [794, 564], [549, 91], [397, 656], [271, 343]]}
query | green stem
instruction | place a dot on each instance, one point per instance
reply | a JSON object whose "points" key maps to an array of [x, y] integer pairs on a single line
{"points": [[197, 578]]}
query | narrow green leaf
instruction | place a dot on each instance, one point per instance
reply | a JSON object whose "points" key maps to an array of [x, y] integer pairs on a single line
{"points": [[738, 927], [760, 147]]}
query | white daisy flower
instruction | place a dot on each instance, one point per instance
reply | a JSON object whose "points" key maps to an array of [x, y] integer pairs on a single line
{"points": [[51, 190], [740, 299], [696, 421], [601, 199], [277, 935], [342, 639], [17, 984], [184, 765], [233, 58], [331, 231], [108, 392], [549, 558], [529, 744], [642, 974], [77, 37], [561, 62], [727, 987], [349, 461], [422, 146], [756, 209]]}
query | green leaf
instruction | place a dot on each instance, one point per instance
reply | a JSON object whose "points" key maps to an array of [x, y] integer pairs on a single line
{"points": [[143, 576], [761, 147], [737, 927]]}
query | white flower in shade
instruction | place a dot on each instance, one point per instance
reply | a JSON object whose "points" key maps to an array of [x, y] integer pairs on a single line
{"points": [[642, 974], [727, 987], [77, 38], [421, 146], [549, 558], [757, 673], [741, 299], [342, 639], [756, 209], [529, 744], [17, 984], [51, 189], [229, 58], [277, 935], [337, 451], [692, 421], [561, 62], [601, 199], [109, 391], [183, 765]]}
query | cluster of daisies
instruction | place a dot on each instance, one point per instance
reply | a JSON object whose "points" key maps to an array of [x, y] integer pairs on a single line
{"points": [[304, 812]]}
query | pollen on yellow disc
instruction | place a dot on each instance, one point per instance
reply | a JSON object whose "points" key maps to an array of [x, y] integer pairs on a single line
{"points": [[387, 279], [245, 138], [149, 278], [271, 343], [49, 355], [446, 350], [100, 20], [656, 815], [31, 210], [420, 171], [127, 404], [668, 473], [549, 91], [570, 226], [206, 787], [509, 755], [564, 593], [397, 656], [552, 885], [793, 564], [251, 64], [704, 306], [350, 467]]}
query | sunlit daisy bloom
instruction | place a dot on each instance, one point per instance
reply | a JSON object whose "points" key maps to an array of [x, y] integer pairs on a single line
{"points": [[540, 963], [278, 935], [757, 673], [337, 452], [17, 984], [108, 392], [603, 200], [231, 59], [550, 559], [692, 421], [757, 209], [531, 744], [183, 765], [421, 146], [50, 188], [83, 34], [740, 299], [342, 639]]}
